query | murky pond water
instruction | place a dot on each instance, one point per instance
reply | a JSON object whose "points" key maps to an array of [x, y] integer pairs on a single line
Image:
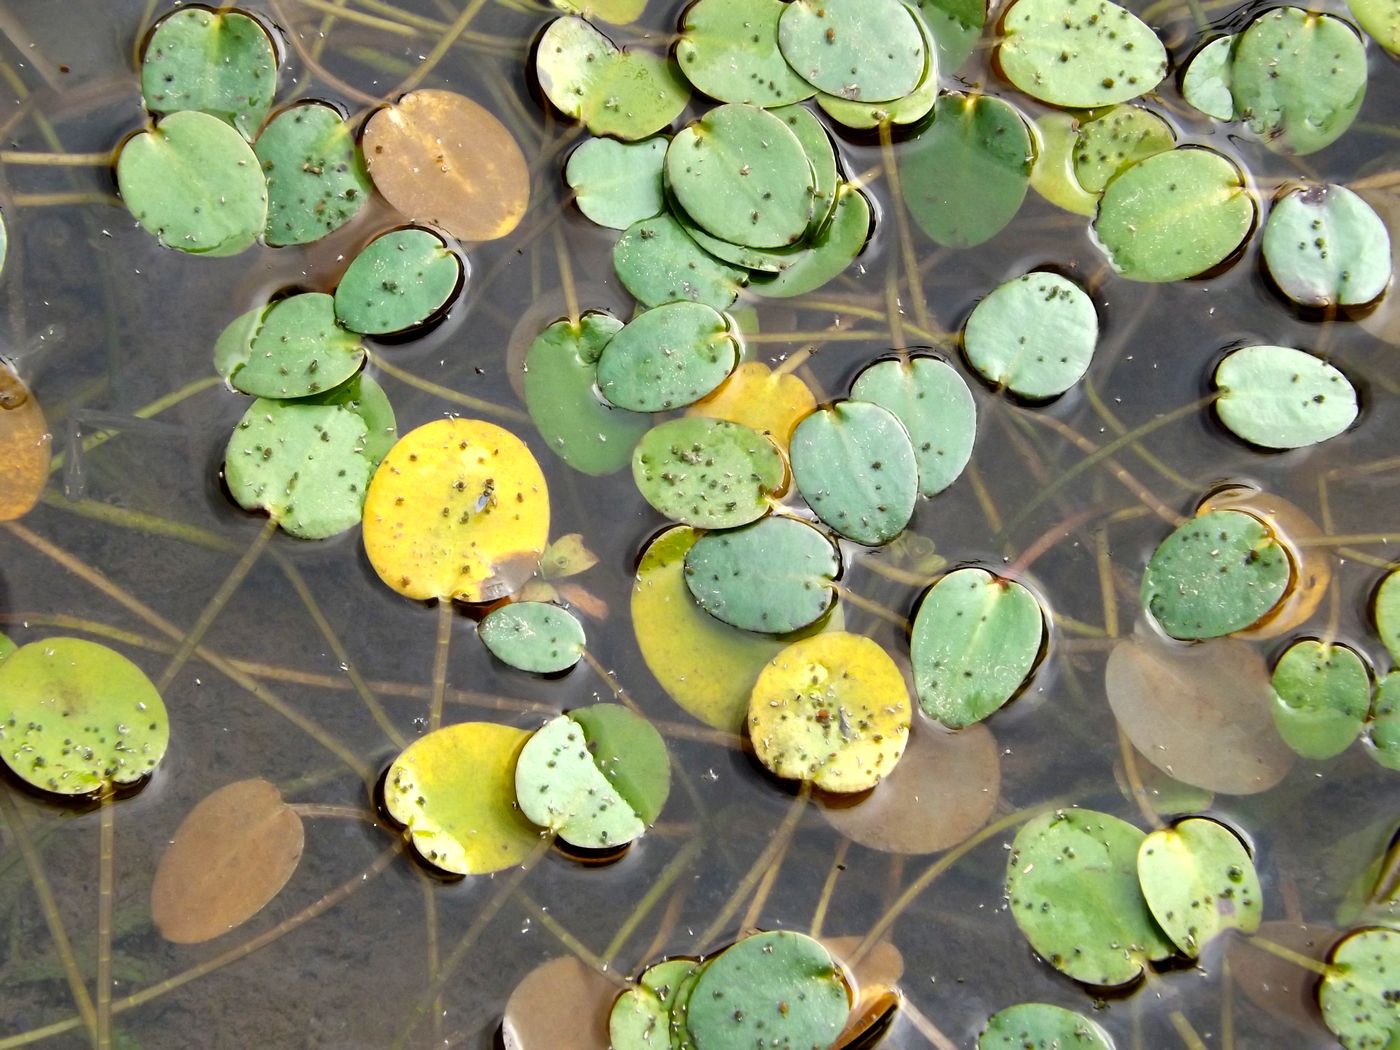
{"points": [[312, 674]]}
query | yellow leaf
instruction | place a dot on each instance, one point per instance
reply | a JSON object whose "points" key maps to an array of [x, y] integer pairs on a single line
{"points": [[756, 396], [25, 445], [567, 556]]}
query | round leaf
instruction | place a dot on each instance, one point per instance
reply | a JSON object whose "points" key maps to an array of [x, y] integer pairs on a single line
{"points": [[667, 357], [1057, 137], [316, 178], [1121, 137], [440, 158], [453, 790], [195, 185], [1072, 885], [1174, 215], [864, 50], [617, 183], [729, 50], [292, 348], [1093, 55], [1384, 728], [561, 995], [774, 576], [397, 282], [1206, 83], [658, 262], [975, 639], [533, 636], [636, 94], [908, 109], [1033, 335], [707, 472], [827, 255], [771, 403], [1388, 614], [230, 856], [1199, 882], [641, 1017], [1358, 991], [25, 447], [1278, 397], [569, 60], [458, 509], [956, 26], [631, 754], [77, 718], [935, 406], [1322, 694], [1216, 574], [1041, 1025], [1325, 246], [1380, 18], [854, 465], [831, 710]]}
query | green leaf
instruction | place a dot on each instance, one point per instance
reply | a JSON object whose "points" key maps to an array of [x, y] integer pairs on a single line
{"points": [[77, 718], [195, 185], [1322, 694], [1041, 1025], [1199, 881], [1094, 55], [1206, 84], [932, 401], [617, 183], [221, 63], [821, 154], [1380, 18], [863, 50], [1388, 614], [569, 61], [729, 50], [1325, 246], [1358, 990], [1216, 574], [827, 255], [1057, 135], [399, 281], [1117, 139], [561, 369], [636, 94], [6, 647], [965, 175], [742, 175], [709, 473], [1306, 102], [909, 109], [854, 465], [1073, 888], [667, 357], [1034, 335], [1383, 729], [658, 262], [640, 1019], [292, 348], [956, 26], [774, 576], [1174, 215], [975, 639], [1278, 397], [316, 178], [631, 754], [533, 636]]}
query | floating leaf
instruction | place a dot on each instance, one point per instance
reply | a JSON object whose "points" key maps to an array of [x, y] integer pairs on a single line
{"points": [[641, 1016], [955, 26], [1174, 215], [597, 776], [195, 185], [458, 509], [1380, 18], [1322, 694], [1218, 573], [832, 710], [533, 636], [1200, 713], [1206, 83], [292, 348], [1041, 1025], [827, 255], [1034, 335], [316, 177], [617, 183], [755, 396], [568, 61], [742, 175], [854, 465], [560, 377], [935, 406], [729, 50], [1119, 138], [230, 856], [1199, 882], [965, 175], [1325, 246], [1278, 397], [1388, 614], [777, 989], [25, 447], [6, 647], [1072, 884], [821, 154], [618, 12], [453, 790], [440, 158], [705, 666], [863, 50], [561, 995], [707, 472], [908, 109], [667, 357], [943, 790], [658, 262], [1307, 102], [1383, 730], [976, 637], [774, 576], [400, 280], [1057, 136], [1096, 55], [216, 62], [1358, 990], [77, 718]]}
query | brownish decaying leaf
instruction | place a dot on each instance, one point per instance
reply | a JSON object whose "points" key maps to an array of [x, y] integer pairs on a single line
{"points": [[232, 854], [874, 981], [25, 445], [1277, 986], [562, 995]]}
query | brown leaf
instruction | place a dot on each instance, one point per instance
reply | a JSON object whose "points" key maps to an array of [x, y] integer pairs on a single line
{"points": [[562, 995], [584, 600], [230, 856], [25, 444], [873, 982], [1281, 988]]}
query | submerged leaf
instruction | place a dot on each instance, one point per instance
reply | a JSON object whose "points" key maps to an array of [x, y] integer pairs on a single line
{"points": [[25, 447], [561, 995], [1057, 137], [755, 396], [1387, 614], [216, 62], [1199, 881], [1325, 246]]}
